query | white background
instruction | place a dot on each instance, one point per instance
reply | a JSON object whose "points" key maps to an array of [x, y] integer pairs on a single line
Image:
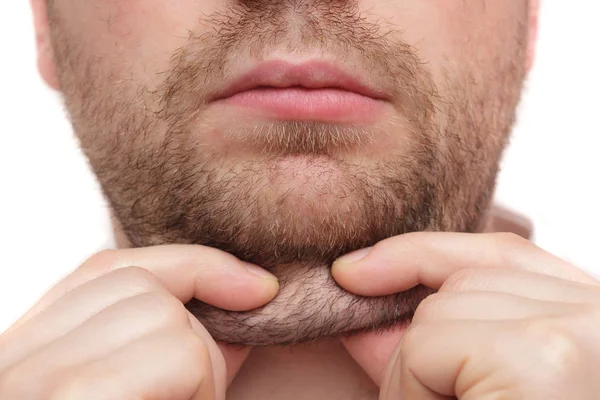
{"points": [[52, 216]]}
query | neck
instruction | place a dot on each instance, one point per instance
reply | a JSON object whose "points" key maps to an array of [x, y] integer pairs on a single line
{"points": [[321, 370]]}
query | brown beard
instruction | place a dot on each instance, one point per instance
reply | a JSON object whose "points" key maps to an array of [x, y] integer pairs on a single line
{"points": [[164, 186]]}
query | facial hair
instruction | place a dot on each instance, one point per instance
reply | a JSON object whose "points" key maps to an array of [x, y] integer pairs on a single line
{"points": [[164, 183]]}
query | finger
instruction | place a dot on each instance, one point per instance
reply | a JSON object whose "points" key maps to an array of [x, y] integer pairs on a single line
{"points": [[432, 366], [109, 327], [108, 330], [226, 359], [522, 283], [79, 304], [445, 306], [171, 365], [486, 360], [429, 258], [372, 350], [187, 271]]}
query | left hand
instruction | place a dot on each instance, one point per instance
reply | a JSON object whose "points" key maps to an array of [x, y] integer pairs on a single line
{"points": [[510, 321]]}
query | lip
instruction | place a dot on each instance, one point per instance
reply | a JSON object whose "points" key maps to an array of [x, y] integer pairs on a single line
{"points": [[309, 75], [315, 90]]}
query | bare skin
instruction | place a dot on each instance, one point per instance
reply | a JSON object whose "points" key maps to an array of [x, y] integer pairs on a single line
{"points": [[155, 93], [117, 328], [529, 309], [198, 183], [510, 320]]}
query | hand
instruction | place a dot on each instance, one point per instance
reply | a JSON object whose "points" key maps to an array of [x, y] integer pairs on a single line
{"points": [[510, 321], [117, 328]]}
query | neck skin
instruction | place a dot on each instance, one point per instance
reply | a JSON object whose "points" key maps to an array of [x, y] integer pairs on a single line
{"points": [[324, 369]]}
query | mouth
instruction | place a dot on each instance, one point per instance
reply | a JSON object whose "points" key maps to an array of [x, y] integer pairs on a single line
{"points": [[312, 91]]}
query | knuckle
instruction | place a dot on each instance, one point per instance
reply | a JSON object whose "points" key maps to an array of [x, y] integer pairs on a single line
{"points": [[506, 240], [432, 306], [459, 280], [425, 308], [194, 344], [138, 279], [103, 260], [165, 307], [507, 245], [557, 348], [193, 350]]}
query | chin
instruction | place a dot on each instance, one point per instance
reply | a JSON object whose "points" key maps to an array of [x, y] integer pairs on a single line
{"points": [[309, 307]]}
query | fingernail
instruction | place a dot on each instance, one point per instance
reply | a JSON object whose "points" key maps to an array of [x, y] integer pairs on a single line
{"points": [[354, 256], [258, 271]]}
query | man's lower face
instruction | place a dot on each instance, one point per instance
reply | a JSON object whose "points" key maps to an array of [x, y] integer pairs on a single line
{"points": [[291, 132]]}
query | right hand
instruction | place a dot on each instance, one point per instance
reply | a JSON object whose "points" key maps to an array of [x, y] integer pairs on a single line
{"points": [[117, 328]]}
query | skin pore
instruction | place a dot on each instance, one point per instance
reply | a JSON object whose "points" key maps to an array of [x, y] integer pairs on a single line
{"points": [[141, 79]]}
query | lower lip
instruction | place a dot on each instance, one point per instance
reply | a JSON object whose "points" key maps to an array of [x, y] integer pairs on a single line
{"points": [[326, 104]]}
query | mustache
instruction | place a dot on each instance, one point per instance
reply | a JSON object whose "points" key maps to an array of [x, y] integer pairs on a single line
{"points": [[254, 29]]}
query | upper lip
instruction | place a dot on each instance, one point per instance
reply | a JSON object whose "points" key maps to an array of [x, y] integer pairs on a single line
{"points": [[309, 75]]}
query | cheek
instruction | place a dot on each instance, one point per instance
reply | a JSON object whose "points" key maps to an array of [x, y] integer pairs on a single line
{"points": [[133, 36], [454, 37]]}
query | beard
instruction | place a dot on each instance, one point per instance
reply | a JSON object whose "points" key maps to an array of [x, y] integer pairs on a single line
{"points": [[290, 196]]}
